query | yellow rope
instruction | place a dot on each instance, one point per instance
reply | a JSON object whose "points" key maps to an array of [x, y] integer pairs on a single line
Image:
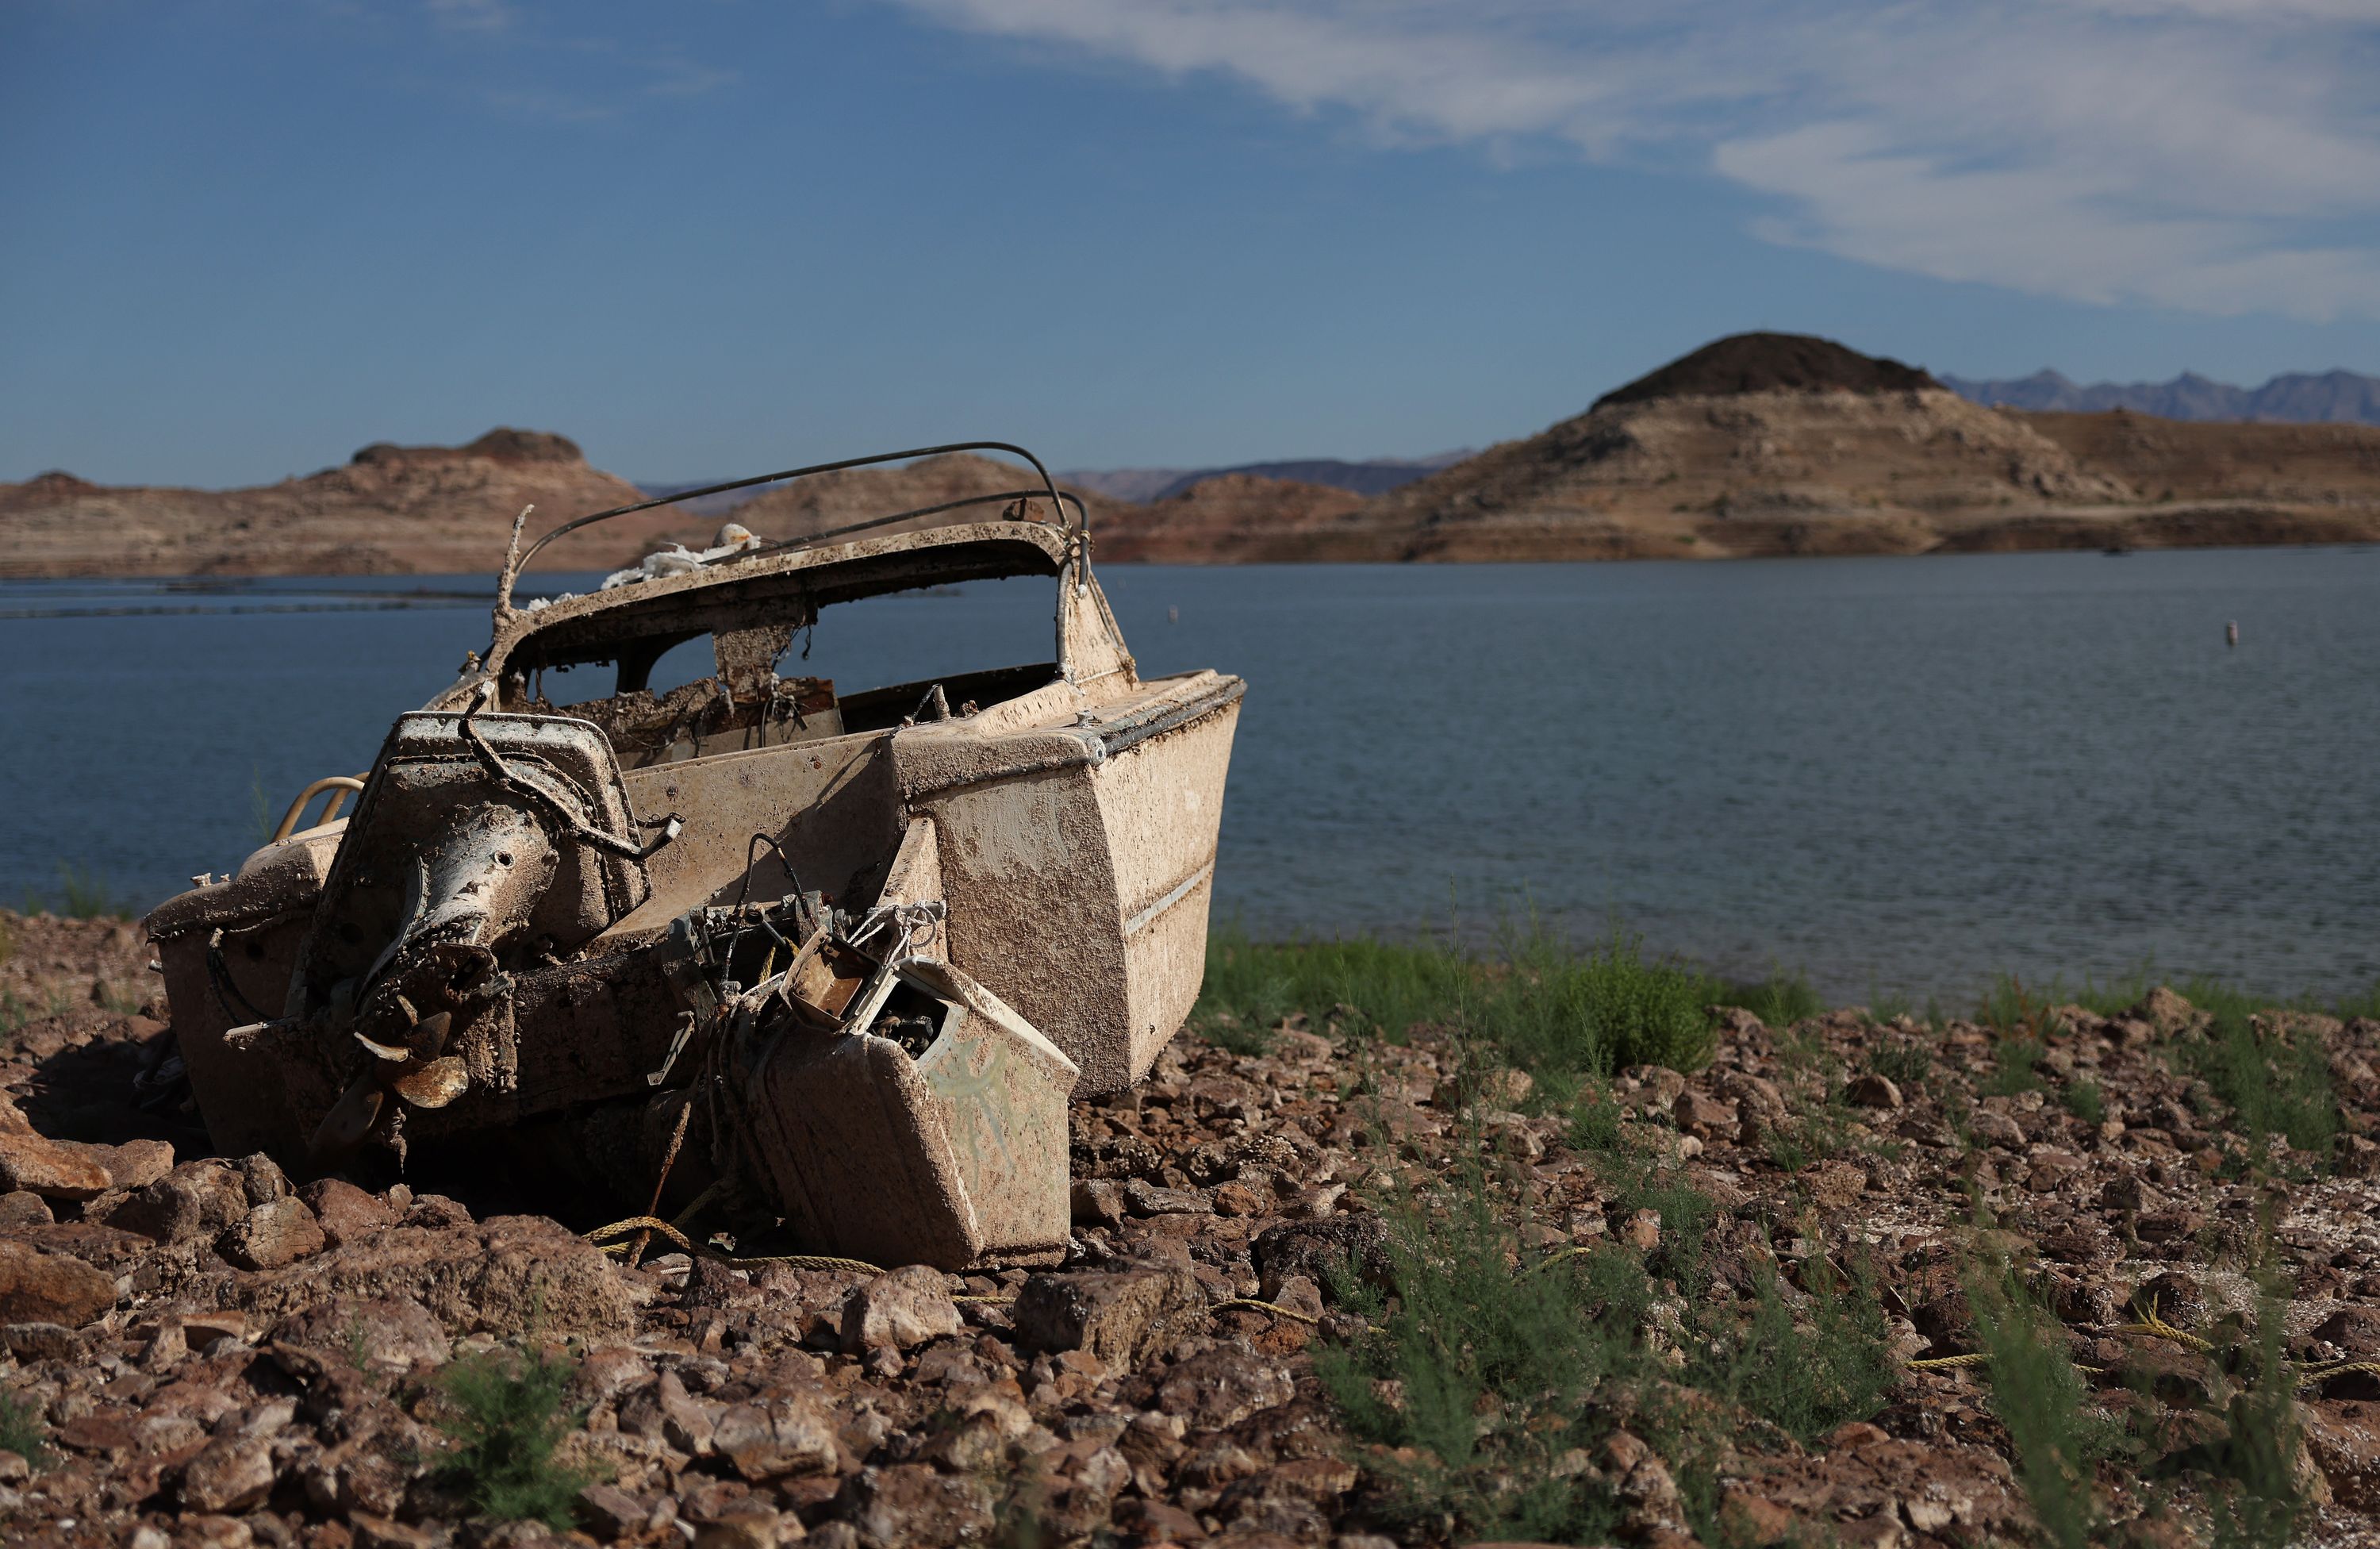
{"points": [[791, 1261], [1950, 1363], [1273, 1307]]}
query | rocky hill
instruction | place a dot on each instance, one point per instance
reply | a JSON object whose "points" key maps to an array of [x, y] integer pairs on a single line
{"points": [[389, 509], [1754, 445], [1772, 444]]}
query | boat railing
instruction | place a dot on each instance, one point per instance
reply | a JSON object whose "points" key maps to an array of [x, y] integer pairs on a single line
{"points": [[1058, 500]]}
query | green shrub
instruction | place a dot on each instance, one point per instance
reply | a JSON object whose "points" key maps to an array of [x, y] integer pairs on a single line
{"points": [[2082, 1099], [21, 1430], [1779, 1000], [2277, 1083], [2042, 1399], [1562, 1012], [1905, 1065], [507, 1414], [1832, 1368], [1491, 1374]]}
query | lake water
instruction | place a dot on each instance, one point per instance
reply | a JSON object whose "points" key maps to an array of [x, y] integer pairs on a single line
{"points": [[1902, 775]]}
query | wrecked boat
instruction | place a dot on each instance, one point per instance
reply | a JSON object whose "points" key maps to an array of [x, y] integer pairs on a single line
{"points": [[788, 951]]}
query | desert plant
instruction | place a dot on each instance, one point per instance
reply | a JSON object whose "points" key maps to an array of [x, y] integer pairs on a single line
{"points": [[1779, 1000], [2042, 1399], [1489, 1374], [506, 1413], [1806, 1374], [1903, 1063], [85, 894], [22, 1431]]}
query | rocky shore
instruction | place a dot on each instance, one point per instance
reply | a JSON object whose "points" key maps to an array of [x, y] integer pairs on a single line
{"points": [[201, 1350]]}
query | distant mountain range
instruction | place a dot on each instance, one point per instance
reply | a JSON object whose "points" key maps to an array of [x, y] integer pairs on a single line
{"points": [[1372, 476], [2296, 398]]}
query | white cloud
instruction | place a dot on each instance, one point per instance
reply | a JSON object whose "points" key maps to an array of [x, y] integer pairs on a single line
{"points": [[2213, 155]]}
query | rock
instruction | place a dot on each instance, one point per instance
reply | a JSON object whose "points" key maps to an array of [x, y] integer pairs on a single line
{"points": [[345, 1213], [23, 1208], [498, 1277], [1872, 1090], [900, 1309], [911, 1504], [261, 1180], [41, 1342], [53, 1169], [1236, 1198], [196, 1200], [1222, 1386], [2342, 1438], [1996, 1129], [137, 1164], [784, 1434], [2355, 1329], [1117, 1315], [1098, 1201], [232, 1473], [36, 1286], [1320, 1250], [749, 1527], [274, 1235], [379, 1532], [1642, 1230], [2164, 1010], [1143, 1198], [387, 1336], [1698, 1115], [611, 1513]]}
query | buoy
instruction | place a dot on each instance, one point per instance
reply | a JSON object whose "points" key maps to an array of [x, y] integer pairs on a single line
{"points": [[2231, 633], [1173, 616]]}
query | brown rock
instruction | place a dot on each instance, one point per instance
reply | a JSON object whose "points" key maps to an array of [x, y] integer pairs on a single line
{"points": [[41, 1342], [784, 1434], [53, 1169], [1117, 1315], [1098, 1201], [24, 1209], [1872, 1090], [1144, 1197], [232, 1473], [1698, 1115], [911, 1504], [390, 1336], [611, 1513], [345, 1213], [137, 1164], [2342, 1438], [1642, 1230], [379, 1532], [900, 1309], [197, 1199], [272, 1236], [2355, 1329], [496, 1277], [36, 1286], [1222, 1386]]}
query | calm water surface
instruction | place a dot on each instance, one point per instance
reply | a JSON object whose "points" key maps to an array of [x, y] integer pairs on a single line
{"points": [[1904, 775]]}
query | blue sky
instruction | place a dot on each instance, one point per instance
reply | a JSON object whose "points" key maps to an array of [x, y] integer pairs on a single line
{"points": [[243, 238]]}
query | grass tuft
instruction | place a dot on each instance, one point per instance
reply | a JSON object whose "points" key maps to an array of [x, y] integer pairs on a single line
{"points": [[1564, 1012], [2043, 1402], [506, 1415], [22, 1431]]}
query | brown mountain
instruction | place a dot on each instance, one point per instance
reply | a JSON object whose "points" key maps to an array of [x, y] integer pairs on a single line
{"points": [[1759, 443], [389, 509], [1774, 444]]}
